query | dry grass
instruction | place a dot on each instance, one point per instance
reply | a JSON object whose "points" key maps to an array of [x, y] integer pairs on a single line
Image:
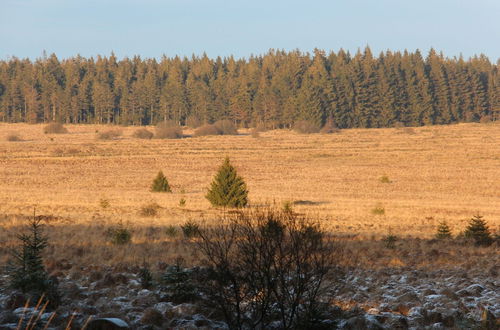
{"points": [[437, 173]]}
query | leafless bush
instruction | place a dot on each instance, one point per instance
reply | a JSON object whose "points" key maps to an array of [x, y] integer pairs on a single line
{"points": [[13, 138], [226, 127], [149, 210], [55, 128], [306, 127], [207, 130], [143, 133], [168, 130], [329, 127], [194, 122], [266, 266], [110, 134]]}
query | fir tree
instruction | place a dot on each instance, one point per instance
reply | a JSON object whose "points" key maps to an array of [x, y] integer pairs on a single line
{"points": [[443, 231], [228, 189], [160, 183], [27, 272], [478, 230]]}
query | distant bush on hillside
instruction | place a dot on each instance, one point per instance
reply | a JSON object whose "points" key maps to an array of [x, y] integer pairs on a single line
{"points": [[226, 127], [143, 133], [55, 128], [194, 122], [168, 130], [110, 134], [329, 127], [207, 130], [13, 138], [306, 127]]}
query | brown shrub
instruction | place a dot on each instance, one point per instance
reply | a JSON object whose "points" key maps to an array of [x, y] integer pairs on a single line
{"points": [[109, 135], [143, 133], [194, 122], [306, 127], [168, 130], [329, 127], [13, 138], [226, 127], [149, 210], [55, 128], [207, 130], [169, 133]]}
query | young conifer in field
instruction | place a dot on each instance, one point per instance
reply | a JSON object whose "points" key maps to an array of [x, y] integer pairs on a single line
{"points": [[478, 230], [228, 188], [160, 183], [28, 272], [443, 231]]}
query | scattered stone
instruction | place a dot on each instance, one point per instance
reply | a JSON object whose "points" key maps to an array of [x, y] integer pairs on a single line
{"points": [[107, 324]]}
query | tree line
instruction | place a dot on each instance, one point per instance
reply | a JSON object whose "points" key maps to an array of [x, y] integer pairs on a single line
{"points": [[276, 89]]}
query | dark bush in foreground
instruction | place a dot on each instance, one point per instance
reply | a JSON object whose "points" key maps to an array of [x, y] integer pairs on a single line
{"points": [[226, 127], [119, 235], [168, 130], [306, 127], [207, 130], [143, 133], [111, 134], [267, 266], [55, 128]]}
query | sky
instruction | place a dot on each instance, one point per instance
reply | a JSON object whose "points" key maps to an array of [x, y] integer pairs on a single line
{"points": [[152, 28]]}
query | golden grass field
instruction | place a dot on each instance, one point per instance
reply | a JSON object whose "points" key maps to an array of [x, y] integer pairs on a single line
{"points": [[436, 173]]}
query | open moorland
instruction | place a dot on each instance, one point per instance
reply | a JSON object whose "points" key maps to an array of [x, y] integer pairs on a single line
{"points": [[361, 184]]}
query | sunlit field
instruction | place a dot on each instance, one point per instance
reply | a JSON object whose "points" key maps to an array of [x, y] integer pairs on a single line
{"points": [[362, 184]]}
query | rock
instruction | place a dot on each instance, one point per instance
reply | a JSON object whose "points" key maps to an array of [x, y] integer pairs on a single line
{"points": [[107, 324], [447, 292], [15, 300], [433, 317], [408, 298], [8, 317], [360, 322], [397, 322], [70, 290], [373, 311], [152, 316]]}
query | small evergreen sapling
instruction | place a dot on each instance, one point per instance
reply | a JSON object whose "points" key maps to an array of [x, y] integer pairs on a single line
{"points": [[443, 231], [478, 230], [228, 188], [27, 272], [160, 183]]}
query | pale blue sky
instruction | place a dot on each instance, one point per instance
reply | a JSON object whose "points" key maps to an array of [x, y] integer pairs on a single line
{"points": [[150, 28]]}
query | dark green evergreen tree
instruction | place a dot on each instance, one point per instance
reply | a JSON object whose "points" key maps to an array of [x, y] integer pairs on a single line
{"points": [[478, 230], [160, 183], [228, 189], [27, 272], [443, 231]]}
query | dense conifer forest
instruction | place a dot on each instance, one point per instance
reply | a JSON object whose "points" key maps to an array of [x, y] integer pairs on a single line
{"points": [[277, 89]]}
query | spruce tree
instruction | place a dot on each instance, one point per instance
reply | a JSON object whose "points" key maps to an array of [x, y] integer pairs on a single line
{"points": [[160, 183], [27, 271], [228, 189], [443, 231], [478, 231]]}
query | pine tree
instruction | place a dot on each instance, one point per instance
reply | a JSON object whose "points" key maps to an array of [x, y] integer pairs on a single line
{"points": [[478, 230], [27, 272], [443, 231], [160, 183], [228, 189]]}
